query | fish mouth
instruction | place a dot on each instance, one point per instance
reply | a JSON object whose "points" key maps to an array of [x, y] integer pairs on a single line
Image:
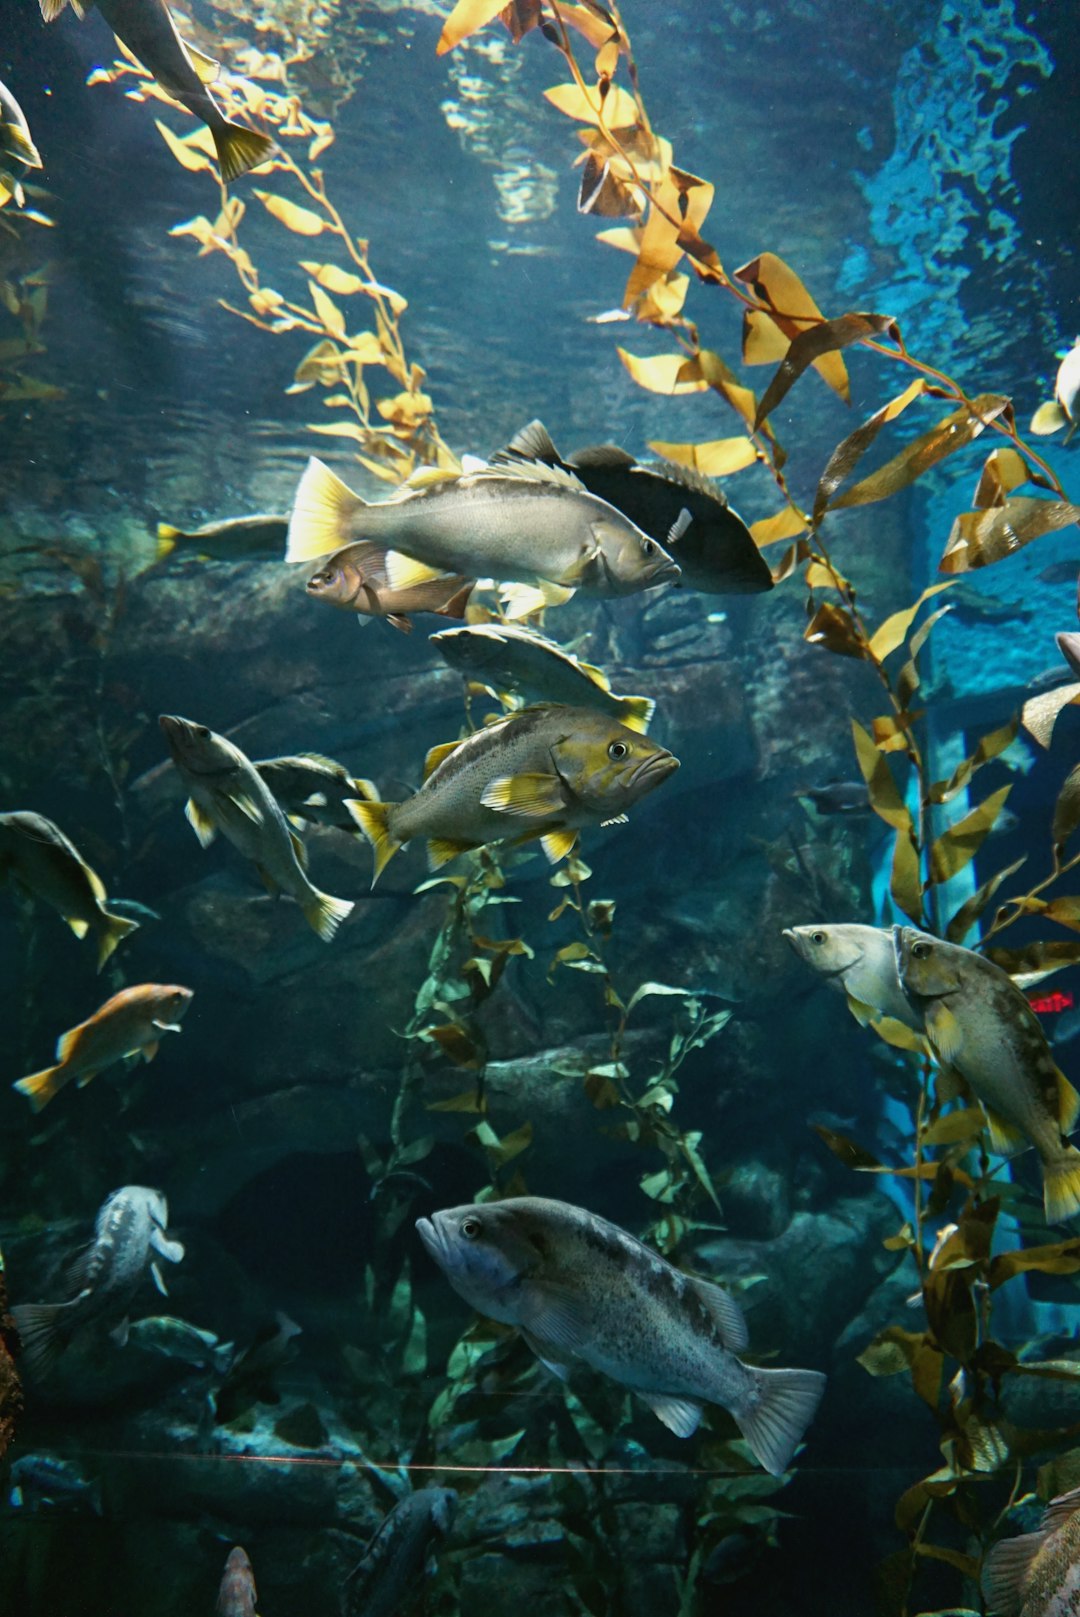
{"points": [[431, 1238], [659, 764], [667, 572]]}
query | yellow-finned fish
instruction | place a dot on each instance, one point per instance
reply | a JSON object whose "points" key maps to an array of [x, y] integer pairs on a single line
{"points": [[229, 795], [581, 1289], [522, 522], [16, 146], [147, 28], [1063, 410], [258, 537], [357, 579], [129, 1024], [979, 1023], [543, 772], [859, 961], [1038, 1574], [507, 657], [312, 789], [35, 853]]}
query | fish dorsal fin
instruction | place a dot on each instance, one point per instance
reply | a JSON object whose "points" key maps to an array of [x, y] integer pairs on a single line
{"points": [[437, 754], [441, 850], [1006, 1140], [1005, 1571], [558, 844], [403, 573], [533, 442], [686, 477], [532, 796], [946, 1034], [298, 849], [531, 471], [1060, 1509], [321, 761], [680, 1415], [205, 66], [597, 675], [1068, 1104], [200, 822], [725, 1311], [599, 456]]}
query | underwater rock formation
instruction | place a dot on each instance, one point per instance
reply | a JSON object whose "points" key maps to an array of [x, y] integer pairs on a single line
{"points": [[11, 1401]]}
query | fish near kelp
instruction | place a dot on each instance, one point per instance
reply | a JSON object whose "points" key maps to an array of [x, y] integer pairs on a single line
{"points": [[979, 1023], [1063, 409], [229, 795], [507, 657], [715, 549], [543, 772], [310, 788], [399, 1550], [258, 537], [581, 1289], [130, 1024], [36, 854], [17, 150], [858, 961], [357, 579], [520, 522], [250, 1378], [130, 1240], [1037, 1574], [236, 1592], [147, 29], [847, 797]]}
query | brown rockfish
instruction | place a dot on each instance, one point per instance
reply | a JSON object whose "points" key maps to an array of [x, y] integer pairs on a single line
{"points": [[147, 28], [357, 580], [543, 772], [859, 961], [521, 522], [129, 1024], [1038, 1574], [229, 795], [237, 1593], [35, 853], [579, 1288], [979, 1022]]}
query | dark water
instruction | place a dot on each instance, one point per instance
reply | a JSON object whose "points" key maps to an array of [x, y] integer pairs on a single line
{"points": [[913, 160]]}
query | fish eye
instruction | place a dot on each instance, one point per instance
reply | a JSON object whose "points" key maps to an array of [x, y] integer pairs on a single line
{"points": [[920, 951], [618, 749], [470, 1228], [648, 547], [202, 732], [817, 937]]}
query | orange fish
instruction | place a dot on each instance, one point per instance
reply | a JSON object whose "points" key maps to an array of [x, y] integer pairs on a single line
{"points": [[129, 1024]]}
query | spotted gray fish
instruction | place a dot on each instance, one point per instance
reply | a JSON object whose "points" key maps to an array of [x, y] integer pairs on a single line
{"points": [[399, 1549], [237, 1593], [1038, 1574], [579, 1288]]}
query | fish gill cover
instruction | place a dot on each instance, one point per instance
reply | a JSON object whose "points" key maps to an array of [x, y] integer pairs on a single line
{"points": [[457, 1040]]}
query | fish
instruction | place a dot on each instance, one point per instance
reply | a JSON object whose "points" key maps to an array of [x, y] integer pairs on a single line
{"points": [[250, 1378], [1069, 646], [858, 961], [579, 1288], [16, 145], [838, 797], [229, 795], [522, 522], [130, 1239], [237, 1593], [1060, 572], [258, 537], [508, 657], [173, 1338], [541, 772], [308, 787], [380, 1583], [38, 1480], [716, 551], [147, 28], [356, 579], [36, 854], [130, 1024], [1037, 1574], [979, 1023], [972, 606], [1061, 410]]}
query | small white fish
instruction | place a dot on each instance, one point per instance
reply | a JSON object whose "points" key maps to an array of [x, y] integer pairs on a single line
{"points": [[1061, 410]]}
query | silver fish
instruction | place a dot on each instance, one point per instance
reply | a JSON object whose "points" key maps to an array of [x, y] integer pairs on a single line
{"points": [[858, 961]]}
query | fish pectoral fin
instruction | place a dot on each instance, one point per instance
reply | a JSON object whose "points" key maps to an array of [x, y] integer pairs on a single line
{"points": [[680, 1415], [200, 822], [555, 1317], [436, 755], [156, 1276], [316, 800], [298, 849], [205, 66], [558, 844], [149, 1051], [864, 1014], [678, 527], [1005, 1571], [946, 1034], [1006, 1140], [522, 600], [577, 573], [544, 1352], [119, 1333], [725, 1311], [403, 573], [1068, 1104], [80, 928], [1048, 418], [440, 851], [617, 819], [398, 620], [166, 1027], [171, 1251], [532, 796]]}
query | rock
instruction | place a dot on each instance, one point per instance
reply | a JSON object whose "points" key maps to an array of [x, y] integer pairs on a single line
{"points": [[10, 1390]]}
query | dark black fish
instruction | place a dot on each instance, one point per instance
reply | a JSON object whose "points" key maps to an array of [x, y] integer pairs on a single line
{"points": [[250, 1379], [1060, 572], [838, 797], [395, 1557], [717, 552], [43, 1481]]}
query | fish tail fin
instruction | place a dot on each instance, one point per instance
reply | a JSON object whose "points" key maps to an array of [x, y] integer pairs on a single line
{"points": [[239, 149], [22, 147], [167, 536], [322, 514], [324, 913], [1061, 1186], [784, 1403], [51, 9], [40, 1087], [373, 820], [114, 930], [40, 1333], [1048, 418], [636, 712]]}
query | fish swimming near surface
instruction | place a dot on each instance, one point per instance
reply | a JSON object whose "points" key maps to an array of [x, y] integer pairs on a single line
{"points": [[45, 1482], [579, 1288], [313, 789], [356, 579], [1038, 1574], [716, 551], [17, 150], [237, 1593], [543, 772], [1063, 409], [379, 1585], [508, 657], [258, 537], [130, 1237], [130, 1024], [858, 961], [520, 522], [250, 1378], [851, 797], [147, 28], [41, 859], [229, 795], [980, 1024]]}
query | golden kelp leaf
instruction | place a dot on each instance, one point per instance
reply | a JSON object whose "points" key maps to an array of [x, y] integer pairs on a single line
{"points": [[625, 237], [470, 1100], [835, 629], [892, 633], [466, 18], [951, 433], [957, 846], [1002, 471], [1066, 911], [885, 798], [320, 364], [820, 577], [455, 1043], [720, 376], [792, 556], [1066, 812], [969, 912], [664, 373], [850, 1154], [615, 110], [763, 343], [788, 303], [301, 220], [662, 303], [951, 1127], [186, 154], [719, 457], [980, 538], [1039, 713], [344, 282], [340, 429], [1035, 961], [327, 310], [905, 883], [1060, 1258], [786, 524], [199, 227], [406, 410], [898, 1034], [605, 192], [991, 746], [366, 349], [846, 456], [810, 346]]}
